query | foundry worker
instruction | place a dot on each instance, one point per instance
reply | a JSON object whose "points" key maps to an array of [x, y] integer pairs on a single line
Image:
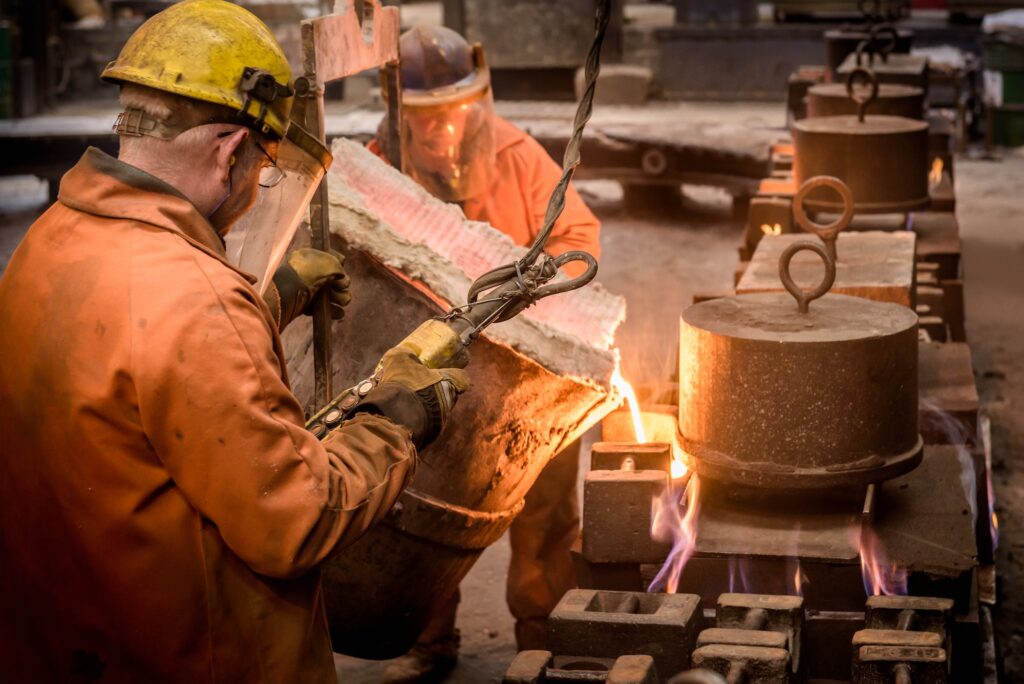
{"points": [[163, 509], [454, 145]]}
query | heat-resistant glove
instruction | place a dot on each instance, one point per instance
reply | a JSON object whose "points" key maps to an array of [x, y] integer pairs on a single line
{"points": [[415, 396], [300, 277]]}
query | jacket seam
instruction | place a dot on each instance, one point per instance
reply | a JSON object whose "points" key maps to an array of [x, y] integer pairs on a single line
{"points": [[197, 519], [252, 361]]}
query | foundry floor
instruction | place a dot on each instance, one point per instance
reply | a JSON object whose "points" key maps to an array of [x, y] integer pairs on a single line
{"points": [[658, 263]]}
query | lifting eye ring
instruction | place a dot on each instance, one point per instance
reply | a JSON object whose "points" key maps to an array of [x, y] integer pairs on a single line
{"points": [[805, 297], [653, 162]]}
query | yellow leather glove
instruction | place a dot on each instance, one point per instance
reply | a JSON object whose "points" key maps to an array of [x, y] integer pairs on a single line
{"points": [[415, 396], [297, 280]]}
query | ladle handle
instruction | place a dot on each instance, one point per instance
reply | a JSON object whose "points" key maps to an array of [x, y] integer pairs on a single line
{"points": [[805, 297], [860, 73], [828, 232]]}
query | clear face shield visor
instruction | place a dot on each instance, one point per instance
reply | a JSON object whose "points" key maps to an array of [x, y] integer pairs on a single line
{"points": [[259, 240], [448, 138]]}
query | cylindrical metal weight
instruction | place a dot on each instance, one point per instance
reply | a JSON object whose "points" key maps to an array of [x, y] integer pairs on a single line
{"points": [[831, 99], [883, 159], [775, 398], [842, 42]]}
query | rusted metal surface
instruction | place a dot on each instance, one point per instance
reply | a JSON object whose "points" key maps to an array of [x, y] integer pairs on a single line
{"points": [[910, 70], [647, 456], [883, 159], [335, 46], [924, 519], [896, 637], [949, 402], [938, 241], [609, 624], [842, 42], [914, 633], [918, 613], [745, 663], [741, 637], [782, 614], [739, 523], [773, 397], [617, 515], [873, 265], [832, 99], [357, 42], [900, 665], [542, 667]]}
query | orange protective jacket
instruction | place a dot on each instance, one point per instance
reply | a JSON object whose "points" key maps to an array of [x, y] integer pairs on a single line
{"points": [[163, 510], [524, 177]]}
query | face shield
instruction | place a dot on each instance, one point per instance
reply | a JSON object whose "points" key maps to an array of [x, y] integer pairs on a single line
{"points": [[258, 241], [448, 136]]}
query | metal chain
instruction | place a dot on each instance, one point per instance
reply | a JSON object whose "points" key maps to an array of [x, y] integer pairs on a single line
{"points": [[572, 151]]}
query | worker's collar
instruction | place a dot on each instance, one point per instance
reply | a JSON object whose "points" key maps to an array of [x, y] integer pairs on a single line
{"points": [[104, 186]]}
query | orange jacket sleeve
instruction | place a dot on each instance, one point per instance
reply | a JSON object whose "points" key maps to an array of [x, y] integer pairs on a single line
{"points": [[222, 421], [577, 227]]}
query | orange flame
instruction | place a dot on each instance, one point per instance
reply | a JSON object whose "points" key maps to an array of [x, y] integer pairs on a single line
{"points": [[771, 230], [679, 468], [935, 175], [675, 523], [993, 519], [624, 388], [671, 522], [881, 575], [797, 579]]}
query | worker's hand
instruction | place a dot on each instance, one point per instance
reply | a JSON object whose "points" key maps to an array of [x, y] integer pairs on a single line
{"points": [[415, 396], [296, 282]]}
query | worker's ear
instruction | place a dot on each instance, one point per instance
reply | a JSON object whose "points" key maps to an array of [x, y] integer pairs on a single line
{"points": [[228, 151]]}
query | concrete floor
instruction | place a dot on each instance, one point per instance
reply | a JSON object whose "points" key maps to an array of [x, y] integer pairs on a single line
{"points": [[657, 264], [990, 207]]}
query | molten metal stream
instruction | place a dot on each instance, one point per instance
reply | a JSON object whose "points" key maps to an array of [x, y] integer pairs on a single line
{"points": [[626, 390], [671, 521]]}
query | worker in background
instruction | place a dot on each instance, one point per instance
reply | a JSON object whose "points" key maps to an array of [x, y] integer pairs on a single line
{"points": [[456, 147], [163, 509], [87, 14]]}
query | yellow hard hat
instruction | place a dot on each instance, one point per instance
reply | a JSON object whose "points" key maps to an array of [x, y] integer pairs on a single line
{"points": [[215, 51]]}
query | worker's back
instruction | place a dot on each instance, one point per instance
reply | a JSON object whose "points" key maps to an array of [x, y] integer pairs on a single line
{"points": [[109, 573]]}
